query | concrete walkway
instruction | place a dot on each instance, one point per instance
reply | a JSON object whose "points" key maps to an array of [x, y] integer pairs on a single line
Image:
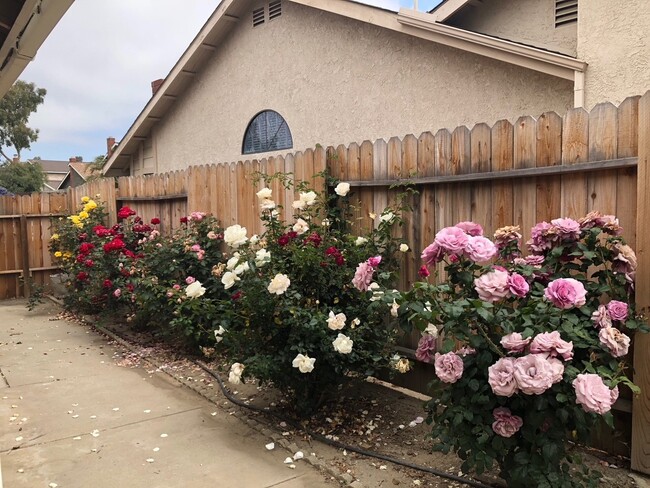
{"points": [[70, 417]]}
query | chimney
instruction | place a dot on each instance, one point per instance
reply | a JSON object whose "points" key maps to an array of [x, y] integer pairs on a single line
{"points": [[72, 159], [110, 142], [15, 159], [155, 85]]}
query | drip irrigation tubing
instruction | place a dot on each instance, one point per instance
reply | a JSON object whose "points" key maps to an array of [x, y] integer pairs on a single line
{"points": [[337, 444]]}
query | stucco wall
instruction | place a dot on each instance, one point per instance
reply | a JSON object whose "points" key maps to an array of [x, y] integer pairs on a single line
{"points": [[614, 39], [528, 21], [337, 81]]}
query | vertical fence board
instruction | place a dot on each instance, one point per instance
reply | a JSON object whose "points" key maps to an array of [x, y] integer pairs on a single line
{"points": [[524, 190], [575, 149], [502, 160], [481, 162], [627, 146], [548, 153], [367, 194], [603, 129], [380, 172], [461, 200]]}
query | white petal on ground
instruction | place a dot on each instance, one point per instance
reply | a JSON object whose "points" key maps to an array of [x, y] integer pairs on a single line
{"points": [[52, 485], [93, 416], [292, 466], [19, 438], [418, 420], [288, 460], [213, 413], [95, 433], [75, 416], [383, 466], [163, 435], [116, 409], [147, 411], [156, 449], [78, 438], [270, 446], [298, 455], [150, 460], [21, 470]]}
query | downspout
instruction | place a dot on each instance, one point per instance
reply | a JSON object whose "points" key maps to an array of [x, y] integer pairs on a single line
{"points": [[579, 89]]}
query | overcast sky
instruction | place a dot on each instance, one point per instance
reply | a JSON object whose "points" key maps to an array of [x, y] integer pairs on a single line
{"points": [[99, 62]]}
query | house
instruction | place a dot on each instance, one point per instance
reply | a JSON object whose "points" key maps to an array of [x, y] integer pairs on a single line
{"points": [[77, 175], [268, 77], [24, 25], [55, 171]]}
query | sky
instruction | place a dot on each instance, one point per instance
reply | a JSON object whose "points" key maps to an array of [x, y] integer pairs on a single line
{"points": [[98, 63]]}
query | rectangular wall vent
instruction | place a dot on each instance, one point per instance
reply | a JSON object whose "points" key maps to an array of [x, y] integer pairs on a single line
{"points": [[275, 9], [566, 12], [258, 16]]}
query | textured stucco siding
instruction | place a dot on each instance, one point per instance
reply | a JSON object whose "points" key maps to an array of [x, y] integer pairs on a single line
{"points": [[338, 81], [614, 39], [528, 21]]}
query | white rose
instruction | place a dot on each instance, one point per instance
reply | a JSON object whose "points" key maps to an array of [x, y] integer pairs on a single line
{"points": [[264, 193], [326, 223], [236, 371], [218, 333], [343, 344], [267, 204], [342, 189], [403, 248], [241, 268], [298, 204], [262, 257], [194, 290], [360, 241], [309, 198], [355, 322], [254, 239], [300, 227], [279, 284], [232, 262], [387, 217], [304, 363], [377, 294], [394, 308], [229, 279], [235, 236], [336, 322], [431, 330]]}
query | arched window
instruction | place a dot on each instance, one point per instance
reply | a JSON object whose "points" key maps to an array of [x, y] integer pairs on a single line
{"points": [[268, 131]]}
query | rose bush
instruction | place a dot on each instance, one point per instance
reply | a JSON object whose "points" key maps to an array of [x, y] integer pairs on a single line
{"points": [[533, 347]]}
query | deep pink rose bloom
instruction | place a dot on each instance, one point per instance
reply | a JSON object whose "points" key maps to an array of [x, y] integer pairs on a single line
{"points": [[363, 276], [617, 310], [449, 367], [515, 342], [552, 343], [601, 317], [615, 341], [540, 240], [566, 229], [593, 394], [501, 377], [426, 348], [492, 286], [566, 293], [432, 254], [470, 228], [197, 216], [452, 240], [534, 374], [176, 286], [480, 249], [117, 293], [374, 261], [505, 424], [196, 248], [518, 285], [423, 272], [189, 280]]}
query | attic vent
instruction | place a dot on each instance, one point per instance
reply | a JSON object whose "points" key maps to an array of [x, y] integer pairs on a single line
{"points": [[275, 9], [566, 12], [258, 16]]}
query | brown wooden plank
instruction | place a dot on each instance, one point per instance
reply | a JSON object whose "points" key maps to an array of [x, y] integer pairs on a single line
{"points": [[426, 167], [502, 160], [603, 140], [354, 174], [641, 403], [549, 153], [411, 229], [443, 209], [575, 149], [461, 164], [367, 195], [627, 145], [320, 165], [481, 162], [524, 190], [380, 170]]}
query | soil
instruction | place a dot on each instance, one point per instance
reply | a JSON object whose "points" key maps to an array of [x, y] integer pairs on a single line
{"points": [[371, 416]]}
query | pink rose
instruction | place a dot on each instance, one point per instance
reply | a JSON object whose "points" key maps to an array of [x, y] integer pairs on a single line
{"points": [[374, 261], [505, 424], [540, 239], [432, 254], [197, 216], [176, 286], [363, 276], [426, 348], [518, 285], [452, 240], [601, 317], [534, 374], [195, 248], [466, 351], [515, 342], [566, 293], [449, 367], [492, 286], [501, 377], [566, 229], [557, 368], [117, 293], [189, 280], [480, 249], [617, 310], [552, 343], [593, 394], [534, 260], [615, 341], [470, 228]]}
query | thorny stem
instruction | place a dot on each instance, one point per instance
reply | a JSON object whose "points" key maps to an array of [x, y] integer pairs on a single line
{"points": [[494, 347]]}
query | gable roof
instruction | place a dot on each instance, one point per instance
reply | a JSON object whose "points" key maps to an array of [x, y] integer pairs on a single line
{"points": [[83, 170], [52, 166], [409, 22], [24, 25]]}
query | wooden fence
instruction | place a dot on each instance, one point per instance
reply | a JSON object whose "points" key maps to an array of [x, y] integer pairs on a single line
{"points": [[508, 174]]}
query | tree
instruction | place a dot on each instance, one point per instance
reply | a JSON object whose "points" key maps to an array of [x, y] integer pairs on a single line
{"points": [[15, 108], [96, 168], [22, 177]]}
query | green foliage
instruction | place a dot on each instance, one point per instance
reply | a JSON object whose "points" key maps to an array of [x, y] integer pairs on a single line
{"points": [[22, 177], [15, 108]]}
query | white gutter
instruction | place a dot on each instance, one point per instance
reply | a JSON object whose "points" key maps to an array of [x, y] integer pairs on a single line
{"points": [[35, 21]]}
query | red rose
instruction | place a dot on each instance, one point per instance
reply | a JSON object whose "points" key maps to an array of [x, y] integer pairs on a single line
{"points": [[130, 287], [88, 263], [332, 251], [86, 247], [129, 254], [314, 238], [423, 272], [80, 258], [283, 240], [236, 296], [83, 237], [292, 234], [183, 220], [155, 221], [108, 284], [115, 245], [82, 276], [101, 231], [340, 260], [125, 213]]}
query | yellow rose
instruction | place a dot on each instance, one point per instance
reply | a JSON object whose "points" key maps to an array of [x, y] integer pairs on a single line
{"points": [[91, 205], [67, 255], [85, 199], [83, 215], [74, 219], [54, 237], [58, 254]]}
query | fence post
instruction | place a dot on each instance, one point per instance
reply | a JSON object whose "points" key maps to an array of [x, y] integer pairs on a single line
{"points": [[24, 252], [641, 403]]}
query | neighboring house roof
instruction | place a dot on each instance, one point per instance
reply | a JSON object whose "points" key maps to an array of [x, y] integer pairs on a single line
{"points": [[82, 170], [24, 25], [51, 166], [409, 22]]}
